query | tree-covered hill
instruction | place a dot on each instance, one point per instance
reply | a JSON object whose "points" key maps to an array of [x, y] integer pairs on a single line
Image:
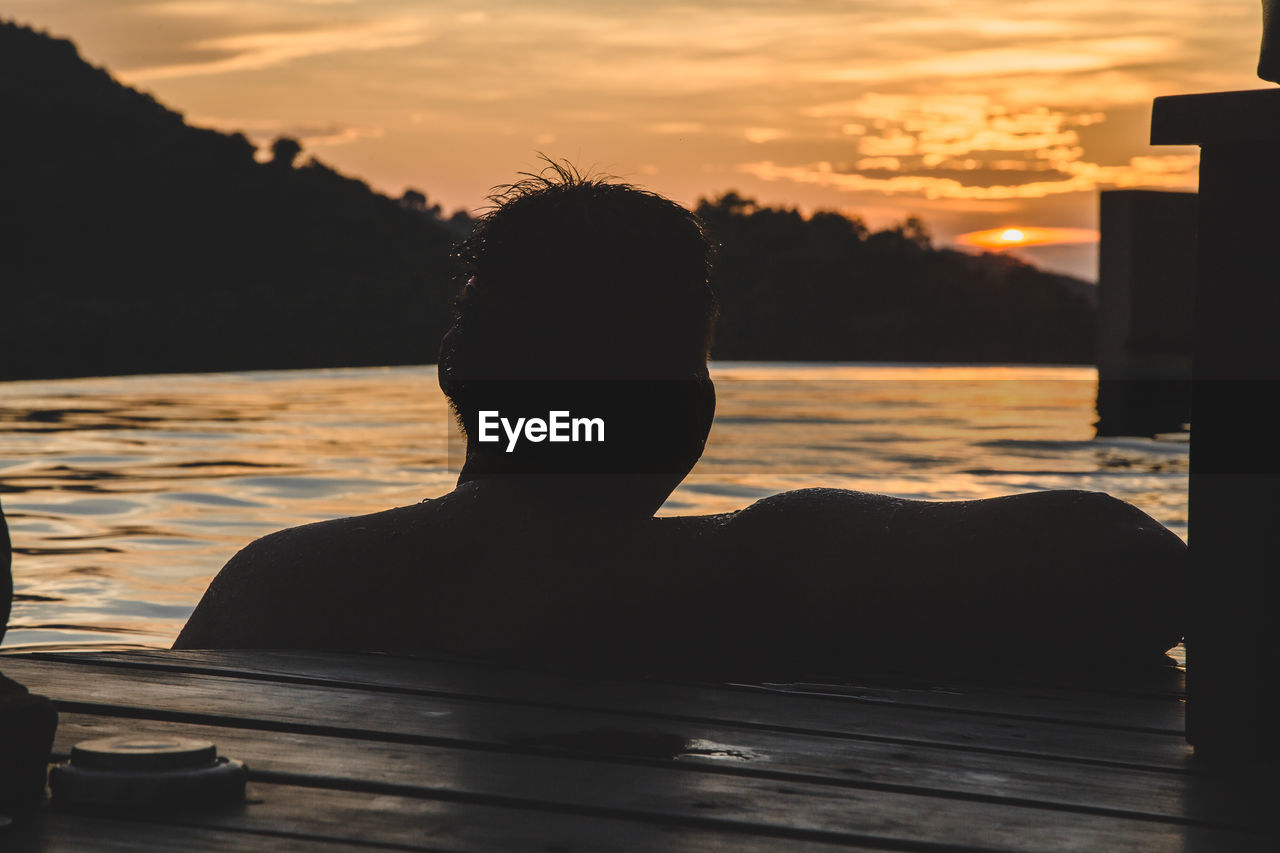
{"points": [[133, 242], [136, 243], [824, 288]]}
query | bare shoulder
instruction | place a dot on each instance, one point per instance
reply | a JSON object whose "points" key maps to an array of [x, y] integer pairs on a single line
{"points": [[1070, 573], [810, 511], [1037, 528], [1058, 506], [288, 588]]}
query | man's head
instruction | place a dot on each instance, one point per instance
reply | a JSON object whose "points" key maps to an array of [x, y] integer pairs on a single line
{"points": [[590, 293]]}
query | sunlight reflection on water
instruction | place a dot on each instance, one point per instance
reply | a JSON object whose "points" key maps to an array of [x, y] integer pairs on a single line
{"points": [[126, 495]]}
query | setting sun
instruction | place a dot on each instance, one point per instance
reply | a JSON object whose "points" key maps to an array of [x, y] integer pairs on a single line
{"points": [[1007, 238]]}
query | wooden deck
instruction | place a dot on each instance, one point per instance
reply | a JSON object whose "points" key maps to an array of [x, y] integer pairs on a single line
{"points": [[371, 751]]}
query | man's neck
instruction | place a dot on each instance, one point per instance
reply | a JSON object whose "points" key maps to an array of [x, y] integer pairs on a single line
{"points": [[588, 495]]}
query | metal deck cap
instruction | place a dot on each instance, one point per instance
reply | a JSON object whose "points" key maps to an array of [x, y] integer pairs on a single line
{"points": [[144, 770], [143, 753]]}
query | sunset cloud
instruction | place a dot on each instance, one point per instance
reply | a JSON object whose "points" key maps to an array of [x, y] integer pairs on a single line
{"points": [[1174, 172], [261, 50], [674, 128], [951, 126], [970, 147], [316, 135], [761, 135]]}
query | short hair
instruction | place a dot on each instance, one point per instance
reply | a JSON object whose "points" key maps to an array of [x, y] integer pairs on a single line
{"points": [[572, 276]]}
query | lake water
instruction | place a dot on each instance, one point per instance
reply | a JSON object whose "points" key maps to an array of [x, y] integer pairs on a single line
{"points": [[125, 495]]}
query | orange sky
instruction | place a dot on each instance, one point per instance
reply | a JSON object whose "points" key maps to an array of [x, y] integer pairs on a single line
{"points": [[974, 115]]}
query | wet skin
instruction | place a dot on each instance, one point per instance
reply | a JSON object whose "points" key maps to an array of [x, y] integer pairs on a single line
{"points": [[486, 570]]}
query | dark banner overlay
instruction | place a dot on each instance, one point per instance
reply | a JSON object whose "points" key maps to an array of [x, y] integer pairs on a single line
{"points": [[656, 427], [581, 427]]}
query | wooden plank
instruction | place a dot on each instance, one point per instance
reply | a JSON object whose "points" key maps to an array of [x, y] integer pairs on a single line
{"points": [[448, 719], [513, 685], [59, 831], [941, 690], [292, 817], [763, 807], [1047, 705], [1160, 683], [960, 775]]}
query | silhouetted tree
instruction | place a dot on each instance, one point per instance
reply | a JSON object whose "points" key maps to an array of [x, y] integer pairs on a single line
{"points": [[914, 230], [416, 201], [459, 223], [284, 151]]}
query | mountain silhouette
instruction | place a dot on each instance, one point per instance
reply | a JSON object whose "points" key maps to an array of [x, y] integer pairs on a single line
{"points": [[137, 243]]}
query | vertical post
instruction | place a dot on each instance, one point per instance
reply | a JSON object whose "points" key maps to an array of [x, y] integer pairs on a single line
{"points": [[1232, 694], [1146, 283]]}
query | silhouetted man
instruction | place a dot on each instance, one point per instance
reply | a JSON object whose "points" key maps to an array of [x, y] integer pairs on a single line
{"points": [[576, 365]]}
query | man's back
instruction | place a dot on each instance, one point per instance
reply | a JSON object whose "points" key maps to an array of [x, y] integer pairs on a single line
{"points": [[586, 290], [818, 572]]}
